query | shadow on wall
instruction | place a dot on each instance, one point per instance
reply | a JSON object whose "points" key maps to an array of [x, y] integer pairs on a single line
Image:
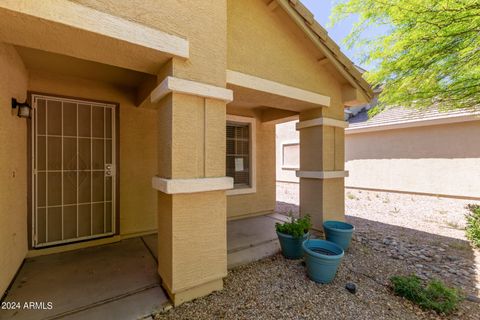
{"points": [[426, 254], [452, 141]]}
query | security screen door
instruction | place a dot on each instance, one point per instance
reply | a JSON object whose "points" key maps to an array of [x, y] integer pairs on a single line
{"points": [[73, 163]]}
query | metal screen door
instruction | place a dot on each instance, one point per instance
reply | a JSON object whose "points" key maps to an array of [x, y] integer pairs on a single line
{"points": [[73, 164]]}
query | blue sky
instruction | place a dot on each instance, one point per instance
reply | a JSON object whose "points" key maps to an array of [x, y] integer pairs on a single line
{"points": [[322, 9]]}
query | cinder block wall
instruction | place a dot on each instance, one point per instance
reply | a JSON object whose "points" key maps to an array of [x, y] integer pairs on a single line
{"points": [[439, 160]]}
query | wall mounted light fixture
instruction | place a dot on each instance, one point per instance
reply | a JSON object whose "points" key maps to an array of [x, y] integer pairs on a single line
{"points": [[24, 109]]}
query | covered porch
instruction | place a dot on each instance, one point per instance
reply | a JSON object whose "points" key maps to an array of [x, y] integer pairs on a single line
{"points": [[119, 280], [164, 134]]}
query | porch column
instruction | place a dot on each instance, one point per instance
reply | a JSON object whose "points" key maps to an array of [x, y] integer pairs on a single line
{"points": [[192, 248], [322, 166]]}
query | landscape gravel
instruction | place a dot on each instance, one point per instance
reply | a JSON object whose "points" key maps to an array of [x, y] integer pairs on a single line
{"points": [[437, 215], [276, 288], [427, 232], [396, 234]]}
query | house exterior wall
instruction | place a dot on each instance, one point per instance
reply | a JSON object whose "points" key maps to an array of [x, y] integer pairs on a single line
{"points": [[254, 28], [184, 137], [437, 160], [255, 47], [203, 23], [263, 200], [286, 138], [138, 145], [287, 181], [13, 164]]}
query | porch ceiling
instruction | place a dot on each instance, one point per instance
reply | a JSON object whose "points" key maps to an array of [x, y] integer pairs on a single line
{"points": [[251, 98], [74, 30], [38, 60], [252, 91]]}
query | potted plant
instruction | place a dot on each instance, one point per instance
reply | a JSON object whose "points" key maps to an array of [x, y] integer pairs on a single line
{"points": [[292, 234]]}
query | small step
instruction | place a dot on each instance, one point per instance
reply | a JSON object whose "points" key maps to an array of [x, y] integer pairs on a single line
{"points": [[253, 253]]}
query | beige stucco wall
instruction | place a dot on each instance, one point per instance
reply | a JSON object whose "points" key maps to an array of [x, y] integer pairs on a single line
{"points": [[185, 138], [263, 200], [202, 23], [191, 139], [441, 159], [138, 145], [13, 166], [269, 45]]}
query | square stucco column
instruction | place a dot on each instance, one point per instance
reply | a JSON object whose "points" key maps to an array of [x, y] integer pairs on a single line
{"points": [[192, 247], [322, 164]]}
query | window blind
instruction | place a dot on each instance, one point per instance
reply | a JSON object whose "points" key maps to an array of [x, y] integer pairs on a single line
{"points": [[238, 153]]}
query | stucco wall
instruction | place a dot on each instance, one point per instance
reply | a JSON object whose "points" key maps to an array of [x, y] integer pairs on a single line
{"points": [[202, 23], [263, 200], [269, 45], [13, 166], [442, 159], [138, 145]]}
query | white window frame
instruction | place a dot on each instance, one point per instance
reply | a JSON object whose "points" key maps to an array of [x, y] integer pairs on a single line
{"points": [[253, 155], [289, 143]]}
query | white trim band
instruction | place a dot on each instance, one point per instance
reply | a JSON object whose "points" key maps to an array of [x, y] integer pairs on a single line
{"points": [[321, 122], [172, 84], [175, 186], [321, 174], [415, 123], [280, 89], [80, 17]]}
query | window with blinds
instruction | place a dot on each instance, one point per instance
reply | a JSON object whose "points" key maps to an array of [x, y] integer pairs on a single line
{"points": [[238, 153]]}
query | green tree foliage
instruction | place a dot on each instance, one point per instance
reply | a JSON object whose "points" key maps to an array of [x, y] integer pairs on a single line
{"points": [[430, 53]]}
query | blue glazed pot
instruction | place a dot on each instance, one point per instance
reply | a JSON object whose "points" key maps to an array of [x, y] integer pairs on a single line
{"points": [[291, 247], [339, 232], [322, 259]]}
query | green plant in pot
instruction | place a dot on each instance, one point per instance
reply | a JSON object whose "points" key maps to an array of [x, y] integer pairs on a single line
{"points": [[292, 234]]}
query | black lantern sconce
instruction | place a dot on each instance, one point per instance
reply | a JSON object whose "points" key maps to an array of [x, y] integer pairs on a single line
{"points": [[24, 109]]}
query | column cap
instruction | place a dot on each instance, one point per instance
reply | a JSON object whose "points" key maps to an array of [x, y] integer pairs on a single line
{"points": [[321, 122], [175, 186], [172, 84]]}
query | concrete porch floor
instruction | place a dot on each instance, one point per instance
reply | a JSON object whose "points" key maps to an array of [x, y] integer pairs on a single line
{"points": [[119, 280]]}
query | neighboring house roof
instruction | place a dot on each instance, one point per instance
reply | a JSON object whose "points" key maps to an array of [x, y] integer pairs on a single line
{"points": [[330, 49], [401, 117]]}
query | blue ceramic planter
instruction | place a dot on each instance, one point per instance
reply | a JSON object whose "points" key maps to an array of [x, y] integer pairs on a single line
{"points": [[291, 247], [339, 233], [322, 259]]}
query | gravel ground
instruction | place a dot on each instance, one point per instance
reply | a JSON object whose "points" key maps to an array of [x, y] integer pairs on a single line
{"points": [[441, 216], [396, 234], [423, 231], [276, 288]]}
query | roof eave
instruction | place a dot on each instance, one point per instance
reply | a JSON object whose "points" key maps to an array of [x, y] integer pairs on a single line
{"points": [[305, 20]]}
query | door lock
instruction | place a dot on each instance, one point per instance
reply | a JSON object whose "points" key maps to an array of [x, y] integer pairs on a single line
{"points": [[108, 170]]}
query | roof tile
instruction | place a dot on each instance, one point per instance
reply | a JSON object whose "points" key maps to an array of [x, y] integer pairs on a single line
{"points": [[331, 45], [401, 114]]}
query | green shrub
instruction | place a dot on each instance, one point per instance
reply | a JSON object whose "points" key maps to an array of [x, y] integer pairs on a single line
{"points": [[434, 296], [473, 224], [296, 227]]}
